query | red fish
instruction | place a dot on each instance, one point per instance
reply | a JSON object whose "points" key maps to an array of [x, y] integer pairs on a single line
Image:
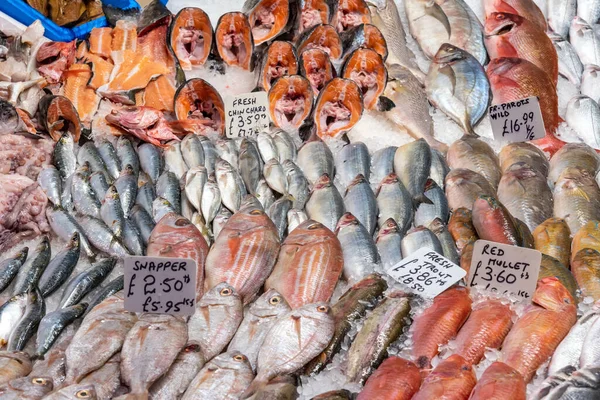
{"points": [[54, 58], [525, 8], [395, 379], [452, 379], [499, 382]]}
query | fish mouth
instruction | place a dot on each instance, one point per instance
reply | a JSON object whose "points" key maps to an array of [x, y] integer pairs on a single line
{"points": [[290, 101], [268, 19], [503, 26], [234, 39], [191, 37]]}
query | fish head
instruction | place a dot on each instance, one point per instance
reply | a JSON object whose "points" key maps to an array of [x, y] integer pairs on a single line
{"points": [[322, 182], [389, 227], [269, 304], [290, 101], [448, 54], [317, 311], [269, 19], [191, 37], [366, 68], [358, 180], [251, 207], [552, 294], [323, 37], [221, 295], [315, 66], [233, 36], [499, 24], [580, 27], [346, 220], [339, 107], [32, 386], [308, 232], [232, 360], [280, 60]]}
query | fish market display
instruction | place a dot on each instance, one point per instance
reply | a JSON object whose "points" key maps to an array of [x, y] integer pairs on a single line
{"points": [[379, 144]]}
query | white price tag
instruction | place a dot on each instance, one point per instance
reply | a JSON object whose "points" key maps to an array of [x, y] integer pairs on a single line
{"points": [[247, 114], [504, 268], [517, 121], [160, 285], [426, 273]]}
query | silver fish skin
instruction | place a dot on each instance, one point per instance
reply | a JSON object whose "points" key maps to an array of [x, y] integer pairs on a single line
{"points": [[286, 148], [352, 160], [560, 15], [570, 349], [584, 39], [89, 153], [358, 248], [99, 185], [30, 272], [152, 334], [100, 336], [569, 64], [112, 287], [151, 160], [589, 10], [428, 24], [86, 391], [264, 194], [112, 211], [107, 379], [127, 154], [63, 156], [278, 212], [458, 85], [101, 237], [195, 179], [9, 267], [211, 200], [50, 182], [64, 225], [132, 238], [187, 208], [126, 185], [426, 213], [168, 188], [66, 198], [227, 150], [10, 314], [439, 168], [257, 322], [582, 115], [388, 244], [267, 147], [52, 324], [218, 315], [27, 325], [230, 185], [53, 364], [249, 165], [295, 339], [60, 267], [296, 183], [576, 198], [109, 156], [418, 238], [145, 196], [174, 159], [590, 353], [199, 222], [220, 220], [382, 164], [143, 222], [590, 81], [412, 163], [192, 151], [315, 159], [210, 154], [82, 284], [84, 198], [361, 202], [466, 31], [449, 250], [222, 378], [394, 201], [186, 366], [275, 176], [26, 387], [294, 218], [161, 207], [325, 204]]}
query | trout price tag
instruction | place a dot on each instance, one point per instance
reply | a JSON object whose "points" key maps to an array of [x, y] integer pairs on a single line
{"points": [[504, 268], [160, 285], [517, 121], [247, 114], [426, 273]]}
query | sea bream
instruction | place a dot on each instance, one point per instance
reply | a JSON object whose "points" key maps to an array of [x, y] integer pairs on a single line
{"points": [[290, 102], [279, 60], [316, 66], [191, 37], [233, 36], [338, 108]]}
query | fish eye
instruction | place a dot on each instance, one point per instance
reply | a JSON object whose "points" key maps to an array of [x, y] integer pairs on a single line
{"points": [[275, 300], [256, 212], [39, 381], [225, 292], [322, 309], [239, 357], [83, 394], [313, 227], [500, 17]]}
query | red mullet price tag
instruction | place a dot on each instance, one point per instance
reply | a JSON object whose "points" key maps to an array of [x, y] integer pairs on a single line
{"points": [[505, 269], [426, 273], [517, 121], [160, 285], [246, 114]]}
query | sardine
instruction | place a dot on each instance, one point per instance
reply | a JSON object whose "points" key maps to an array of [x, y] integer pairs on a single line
{"points": [[101, 237], [64, 156], [84, 198], [32, 270], [127, 154], [126, 185], [109, 156], [53, 324], [23, 331], [9, 267], [10, 314], [143, 222], [325, 204], [80, 285], [151, 160], [106, 291], [60, 267], [50, 182], [99, 185], [89, 153]]}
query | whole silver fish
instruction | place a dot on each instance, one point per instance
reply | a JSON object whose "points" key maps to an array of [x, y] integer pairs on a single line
{"points": [[9, 267], [395, 202], [143, 222], [132, 238], [589, 10], [361, 202], [474, 154], [60, 267], [325, 204], [227, 150], [211, 200], [112, 211], [224, 377], [127, 154], [84, 198], [590, 353], [286, 148], [560, 15], [315, 159], [249, 164], [126, 185], [52, 324], [569, 64], [112, 287], [89, 153], [63, 156], [10, 314], [220, 220], [439, 168], [297, 184], [66, 198], [576, 198], [294, 218], [145, 196], [186, 366], [457, 84], [218, 315], [278, 212], [358, 248], [210, 154], [583, 37], [99, 185], [388, 244], [199, 222], [168, 188], [195, 179], [101, 236], [151, 160], [590, 81], [99, 337], [449, 250], [352, 160], [418, 238], [192, 151], [82, 284], [264, 194], [35, 310], [230, 185], [109, 156], [64, 225], [50, 182], [267, 147], [382, 164], [582, 115], [257, 322], [30, 272], [150, 348], [275, 176], [412, 163], [174, 159]]}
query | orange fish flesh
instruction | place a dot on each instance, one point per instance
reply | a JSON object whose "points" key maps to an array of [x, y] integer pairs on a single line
{"points": [[159, 94], [366, 68], [101, 70], [322, 37], [233, 36], [313, 13], [268, 19], [200, 105], [395, 379], [290, 102], [309, 265], [191, 37], [439, 323], [101, 42], [338, 108], [452, 379], [58, 116], [279, 60], [374, 40], [316, 67], [525, 8], [124, 36], [535, 335], [83, 97], [351, 13], [499, 382]]}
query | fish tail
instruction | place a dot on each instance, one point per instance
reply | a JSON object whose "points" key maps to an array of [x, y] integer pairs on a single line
{"points": [[253, 388], [420, 199]]}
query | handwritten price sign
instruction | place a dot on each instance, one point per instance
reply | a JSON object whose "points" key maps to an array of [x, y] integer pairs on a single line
{"points": [[517, 121], [247, 114], [426, 273], [160, 285]]}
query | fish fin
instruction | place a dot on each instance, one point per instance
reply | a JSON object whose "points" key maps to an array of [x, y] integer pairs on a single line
{"points": [[420, 199], [468, 128], [435, 10], [385, 104], [579, 192], [254, 387]]}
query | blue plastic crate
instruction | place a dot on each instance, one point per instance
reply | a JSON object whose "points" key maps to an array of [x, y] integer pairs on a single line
{"points": [[25, 14]]}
